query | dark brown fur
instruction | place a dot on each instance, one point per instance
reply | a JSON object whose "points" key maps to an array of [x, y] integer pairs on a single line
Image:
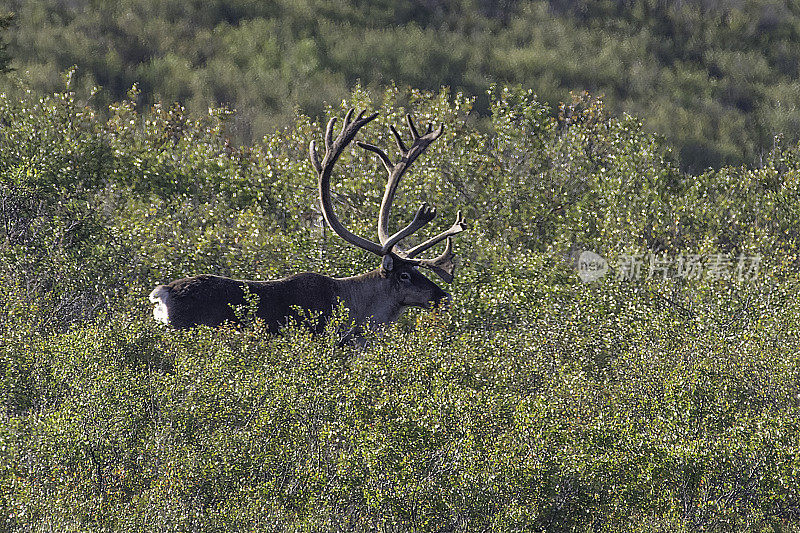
{"points": [[211, 300], [305, 298]]}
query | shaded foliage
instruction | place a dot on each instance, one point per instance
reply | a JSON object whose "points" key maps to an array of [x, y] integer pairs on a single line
{"points": [[716, 78], [5, 58]]}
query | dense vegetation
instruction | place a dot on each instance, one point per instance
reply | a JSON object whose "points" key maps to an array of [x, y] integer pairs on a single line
{"points": [[538, 403], [717, 78]]}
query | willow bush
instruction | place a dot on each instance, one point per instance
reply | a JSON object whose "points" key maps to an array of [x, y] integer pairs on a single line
{"points": [[537, 402]]}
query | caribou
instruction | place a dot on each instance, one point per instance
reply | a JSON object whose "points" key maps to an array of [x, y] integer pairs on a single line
{"points": [[374, 298]]}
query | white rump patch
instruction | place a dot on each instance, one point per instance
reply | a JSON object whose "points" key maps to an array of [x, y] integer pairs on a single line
{"points": [[160, 297]]}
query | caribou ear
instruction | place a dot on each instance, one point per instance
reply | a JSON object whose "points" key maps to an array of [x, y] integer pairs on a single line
{"points": [[387, 264]]}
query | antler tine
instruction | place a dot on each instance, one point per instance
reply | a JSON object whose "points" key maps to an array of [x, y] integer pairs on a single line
{"points": [[333, 149], [400, 144], [458, 226], [443, 265], [423, 215], [412, 127], [329, 134], [387, 163], [312, 154], [348, 119]]}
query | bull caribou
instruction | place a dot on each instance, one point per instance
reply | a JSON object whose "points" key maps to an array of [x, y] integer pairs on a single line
{"points": [[375, 298]]}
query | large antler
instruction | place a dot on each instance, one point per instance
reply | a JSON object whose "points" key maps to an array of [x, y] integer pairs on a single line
{"points": [[333, 149], [442, 265]]}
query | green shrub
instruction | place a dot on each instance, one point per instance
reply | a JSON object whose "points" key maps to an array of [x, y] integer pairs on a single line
{"points": [[537, 403]]}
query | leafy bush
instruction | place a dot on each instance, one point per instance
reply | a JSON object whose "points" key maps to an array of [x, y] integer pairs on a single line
{"points": [[537, 403]]}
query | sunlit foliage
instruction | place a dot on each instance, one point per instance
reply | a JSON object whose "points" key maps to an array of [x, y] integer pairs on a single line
{"points": [[537, 403]]}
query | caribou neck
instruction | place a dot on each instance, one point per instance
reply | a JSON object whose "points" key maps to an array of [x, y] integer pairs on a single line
{"points": [[366, 298]]}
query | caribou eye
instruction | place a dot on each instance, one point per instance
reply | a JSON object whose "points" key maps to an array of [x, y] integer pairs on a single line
{"points": [[405, 276]]}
